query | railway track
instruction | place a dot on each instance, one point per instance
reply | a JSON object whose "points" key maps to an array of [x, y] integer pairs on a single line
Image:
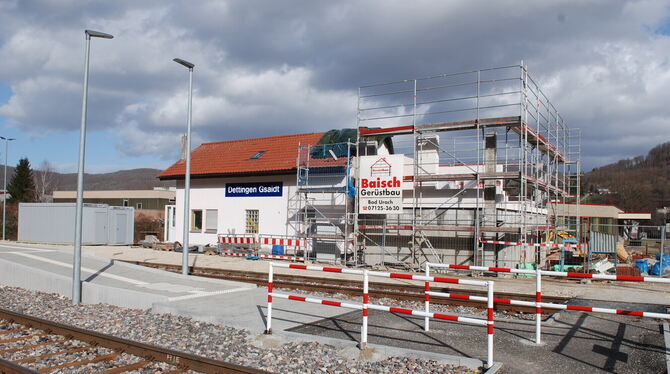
{"points": [[34, 345], [350, 288]]}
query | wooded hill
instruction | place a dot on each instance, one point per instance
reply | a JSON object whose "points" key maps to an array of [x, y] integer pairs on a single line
{"points": [[133, 179], [640, 184]]}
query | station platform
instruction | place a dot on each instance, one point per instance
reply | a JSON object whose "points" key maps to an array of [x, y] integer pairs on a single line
{"points": [[241, 305], [644, 293], [104, 280]]}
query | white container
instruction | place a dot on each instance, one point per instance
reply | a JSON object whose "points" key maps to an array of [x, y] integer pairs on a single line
{"points": [[53, 223]]}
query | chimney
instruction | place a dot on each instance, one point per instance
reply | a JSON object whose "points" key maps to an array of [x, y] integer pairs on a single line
{"points": [[183, 148]]}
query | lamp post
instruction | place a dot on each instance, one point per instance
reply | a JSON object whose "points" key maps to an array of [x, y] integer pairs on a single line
{"points": [[4, 189], [187, 176], [76, 264]]}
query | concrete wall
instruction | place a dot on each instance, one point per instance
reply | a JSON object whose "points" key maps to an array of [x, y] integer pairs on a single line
{"points": [[18, 275]]}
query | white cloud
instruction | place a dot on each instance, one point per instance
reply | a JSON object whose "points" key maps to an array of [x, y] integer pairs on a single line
{"points": [[273, 68]]}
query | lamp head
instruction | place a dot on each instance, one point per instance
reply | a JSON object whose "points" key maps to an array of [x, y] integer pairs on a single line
{"points": [[184, 62], [98, 34]]}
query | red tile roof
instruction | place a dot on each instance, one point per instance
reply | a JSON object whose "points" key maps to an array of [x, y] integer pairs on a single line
{"points": [[233, 157]]}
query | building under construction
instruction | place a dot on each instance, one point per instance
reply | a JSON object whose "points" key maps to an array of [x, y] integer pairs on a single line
{"points": [[485, 153]]}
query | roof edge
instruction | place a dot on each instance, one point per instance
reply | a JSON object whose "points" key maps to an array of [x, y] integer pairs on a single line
{"points": [[225, 175]]}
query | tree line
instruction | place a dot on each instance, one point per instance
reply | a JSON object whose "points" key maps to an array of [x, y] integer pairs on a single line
{"points": [[28, 185]]}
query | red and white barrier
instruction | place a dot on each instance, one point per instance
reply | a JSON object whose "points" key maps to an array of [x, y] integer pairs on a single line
{"points": [[446, 317], [235, 254], [262, 239], [384, 274], [275, 257], [365, 306], [551, 305], [282, 257], [317, 301], [289, 242], [237, 239], [567, 274], [427, 278], [552, 245], [538, 304], [318, 268]]}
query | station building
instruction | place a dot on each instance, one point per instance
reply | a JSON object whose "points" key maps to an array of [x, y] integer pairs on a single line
{"points": [[241, 187]]}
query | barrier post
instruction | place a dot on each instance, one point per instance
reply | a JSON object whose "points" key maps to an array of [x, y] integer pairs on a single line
{"points": [[364, 326], [489, 326], [268, 324], [427, 300], [538, 308]]}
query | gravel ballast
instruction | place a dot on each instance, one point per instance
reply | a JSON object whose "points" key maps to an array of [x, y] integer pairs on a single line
{"points": [[218, 342]]}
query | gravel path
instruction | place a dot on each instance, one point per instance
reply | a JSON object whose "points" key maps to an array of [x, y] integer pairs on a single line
{"points": [[214, 341]]}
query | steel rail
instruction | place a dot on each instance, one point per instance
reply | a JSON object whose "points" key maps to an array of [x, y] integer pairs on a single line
{"points": [[182, 360], [8, 367], [405, 292]]}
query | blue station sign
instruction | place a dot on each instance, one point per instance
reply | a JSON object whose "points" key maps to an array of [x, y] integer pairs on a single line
{"points": [[260, 189]]}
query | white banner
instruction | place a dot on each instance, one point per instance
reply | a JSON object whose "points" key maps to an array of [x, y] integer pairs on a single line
{"points": [[380, 184]]}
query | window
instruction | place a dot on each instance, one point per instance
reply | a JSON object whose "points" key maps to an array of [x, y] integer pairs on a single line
{"points": [[257, 155], [196, 220], [252, 222], [125, 202], [211, 220], [138, 206]]}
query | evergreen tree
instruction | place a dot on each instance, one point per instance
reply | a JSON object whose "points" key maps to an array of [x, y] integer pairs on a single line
{"points": [[22, 186]]}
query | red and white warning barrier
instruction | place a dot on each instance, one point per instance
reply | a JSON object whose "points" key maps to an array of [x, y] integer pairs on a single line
{"points": [[446, 317], [262, 239], [489, 323], [235, 254], [538, 304], [552, 245], [275, 257], [258, 240], [289, 242], [237, 239], [567, 274], [281, 257], [319, 268], [317, 301], [384, 274]]}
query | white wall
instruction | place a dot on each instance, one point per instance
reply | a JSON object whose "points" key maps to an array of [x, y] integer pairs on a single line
{"points": [[209, 193]]}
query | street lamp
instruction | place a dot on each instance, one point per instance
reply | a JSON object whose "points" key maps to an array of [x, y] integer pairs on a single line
{"points": [[4, 189], [76, 266], [187, 177]]}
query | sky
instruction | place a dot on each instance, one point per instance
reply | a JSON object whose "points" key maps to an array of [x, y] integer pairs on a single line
{"points": [[279, 67]]}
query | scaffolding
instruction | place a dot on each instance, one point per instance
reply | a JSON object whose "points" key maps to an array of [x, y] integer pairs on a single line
{"points": [[319, 211], [488, 154]]}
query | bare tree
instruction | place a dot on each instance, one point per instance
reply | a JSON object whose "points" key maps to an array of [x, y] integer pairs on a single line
{"points": [[45, 181]]}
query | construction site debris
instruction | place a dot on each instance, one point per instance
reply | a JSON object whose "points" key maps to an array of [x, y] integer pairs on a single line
{"points": [[621, 253], [628, 270], [166, 246], [643, 266], [664, 261], [603, 266], [149, 241]]}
